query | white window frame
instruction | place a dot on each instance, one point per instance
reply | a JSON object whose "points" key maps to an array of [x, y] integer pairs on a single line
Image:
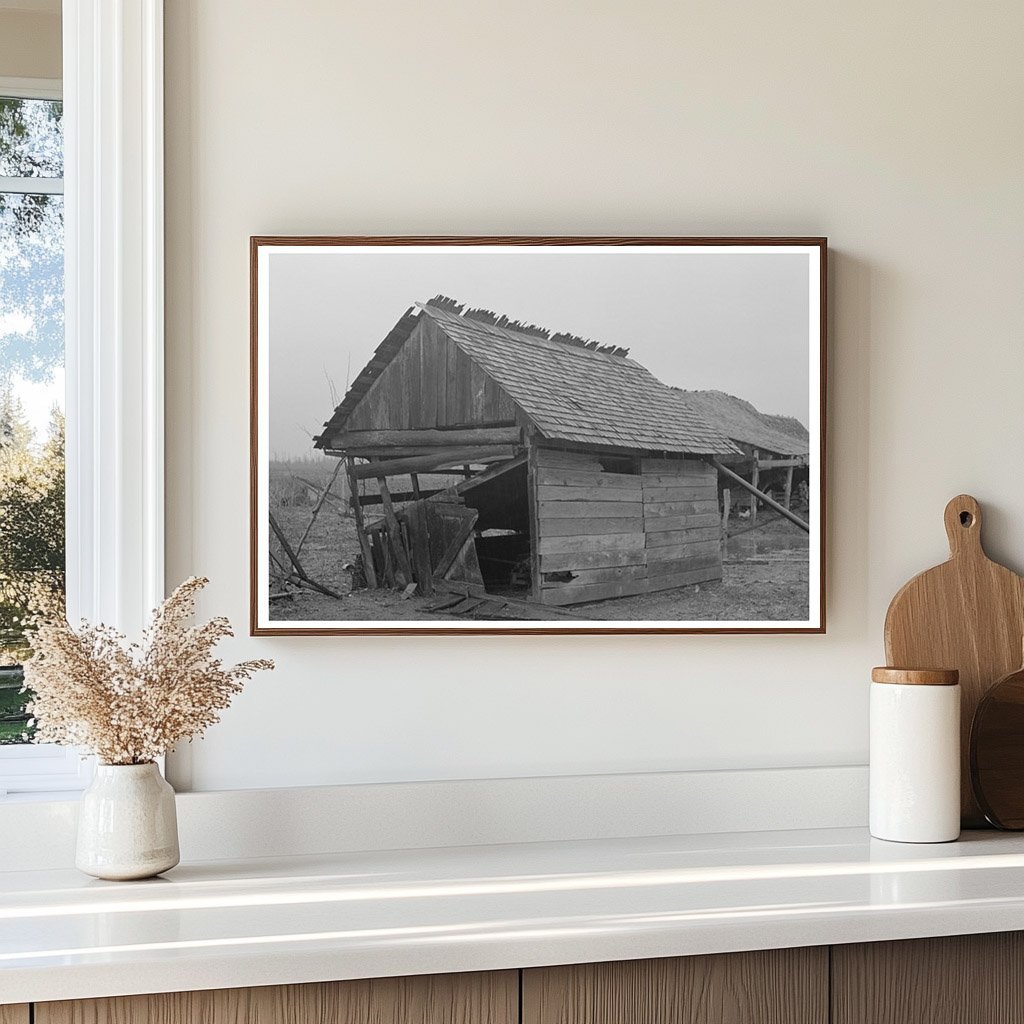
{"points": [[114, 336], [38, 768]]}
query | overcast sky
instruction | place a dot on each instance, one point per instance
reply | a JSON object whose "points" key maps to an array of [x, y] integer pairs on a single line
{"points": [[735, 322]]}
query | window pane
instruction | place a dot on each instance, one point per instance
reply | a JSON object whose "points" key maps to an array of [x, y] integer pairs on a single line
{"points": [[31, 430], [31, 138], [14, 726]]}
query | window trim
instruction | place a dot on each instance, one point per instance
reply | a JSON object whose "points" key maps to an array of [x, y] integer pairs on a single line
{"points": [[114, 332], [31, 88]]}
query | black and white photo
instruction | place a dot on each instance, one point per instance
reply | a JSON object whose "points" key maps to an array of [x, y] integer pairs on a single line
{"points": [[565, 435]]}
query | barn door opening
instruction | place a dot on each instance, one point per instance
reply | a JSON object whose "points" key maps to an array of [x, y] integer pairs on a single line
{"points": [[502, 528]]}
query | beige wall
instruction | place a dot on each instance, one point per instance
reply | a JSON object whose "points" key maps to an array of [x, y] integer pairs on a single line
{"points": [[894, 129], [29, 44]]}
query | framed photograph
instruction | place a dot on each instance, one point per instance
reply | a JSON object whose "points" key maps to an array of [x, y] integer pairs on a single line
{"points": [[537, 435]]}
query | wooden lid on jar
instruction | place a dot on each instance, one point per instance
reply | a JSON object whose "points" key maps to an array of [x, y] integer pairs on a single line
{"points": [[916, 676]]}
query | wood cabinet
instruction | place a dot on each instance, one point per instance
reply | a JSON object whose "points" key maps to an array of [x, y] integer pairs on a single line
{"points": [[491, 998], [972, 979], [963, 979], [779, 986]]}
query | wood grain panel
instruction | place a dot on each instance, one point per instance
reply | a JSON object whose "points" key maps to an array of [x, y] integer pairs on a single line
{"points": [[564, 492], [653, 510], [787, 986], [697, 535], [558, 561], [676, 467], [686, 563], [585, 527], [569, 478], [963, 979], [697, 491], [483, 998], [591, 543], [610, 574], [430, 383], [15, 1014], [577, 462], [660, 523], [589, 510]]}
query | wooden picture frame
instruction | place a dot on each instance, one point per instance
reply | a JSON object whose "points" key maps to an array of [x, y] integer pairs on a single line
{"points": [[480, 474]]}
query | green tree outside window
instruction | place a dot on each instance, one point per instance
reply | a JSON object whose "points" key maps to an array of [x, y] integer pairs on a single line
{"points": [[31, 358]]}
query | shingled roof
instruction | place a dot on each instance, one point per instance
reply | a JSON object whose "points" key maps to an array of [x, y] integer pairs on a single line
{"points": [[571, 390], [573, 393], [741, 422]]}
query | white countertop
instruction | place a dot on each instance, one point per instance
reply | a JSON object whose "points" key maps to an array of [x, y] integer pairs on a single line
{"points": [[226, 924]]}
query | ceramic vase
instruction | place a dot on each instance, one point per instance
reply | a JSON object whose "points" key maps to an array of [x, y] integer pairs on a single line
{"points": [[127, 825]]}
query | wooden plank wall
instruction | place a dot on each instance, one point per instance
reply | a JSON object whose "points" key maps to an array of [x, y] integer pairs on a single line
{"points": [[431, 383], [621, 534], [590, 524], [681, 522]]}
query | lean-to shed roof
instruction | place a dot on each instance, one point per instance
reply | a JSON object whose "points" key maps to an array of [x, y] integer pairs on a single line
{"points": [[741, 422]]}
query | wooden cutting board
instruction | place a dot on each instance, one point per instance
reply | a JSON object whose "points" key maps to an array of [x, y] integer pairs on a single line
{"points": [[967, 614]]}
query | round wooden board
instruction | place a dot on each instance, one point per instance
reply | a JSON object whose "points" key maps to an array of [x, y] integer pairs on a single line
{"points": [[997, 752]]}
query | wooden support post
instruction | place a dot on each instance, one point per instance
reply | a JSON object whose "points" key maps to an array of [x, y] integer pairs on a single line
{"points": [[387, 561], [483, 477], [415, 486], [399, 497], [347, 440], [533, 503], [442, 459], [420, 531], [395, 536], [726, 502], [754, 479], [364, 544], [788, 494], [769, 501], [467, 472]]}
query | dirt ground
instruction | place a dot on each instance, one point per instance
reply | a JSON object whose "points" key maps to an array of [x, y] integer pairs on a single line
{"points": [[765, 578]]}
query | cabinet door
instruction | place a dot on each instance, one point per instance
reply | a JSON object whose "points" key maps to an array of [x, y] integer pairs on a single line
{"points": [[963, 979], [780, 986], [14, 1014], [491, 998]]}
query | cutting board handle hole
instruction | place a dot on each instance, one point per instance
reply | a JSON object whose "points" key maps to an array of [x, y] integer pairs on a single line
{"points": [[962, 518]]}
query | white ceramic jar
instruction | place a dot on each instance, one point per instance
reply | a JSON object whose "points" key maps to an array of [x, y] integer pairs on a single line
{"points": [[127, 823], [915, 755]]}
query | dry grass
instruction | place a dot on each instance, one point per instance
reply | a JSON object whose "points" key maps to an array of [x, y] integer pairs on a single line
{"points": [[332, 541]]}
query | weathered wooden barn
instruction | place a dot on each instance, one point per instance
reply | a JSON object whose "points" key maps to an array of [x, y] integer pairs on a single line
{"points": [[578, 475]]}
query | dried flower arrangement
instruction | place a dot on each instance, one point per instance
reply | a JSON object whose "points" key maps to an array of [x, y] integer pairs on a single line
{"points": [[130, 703]]}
